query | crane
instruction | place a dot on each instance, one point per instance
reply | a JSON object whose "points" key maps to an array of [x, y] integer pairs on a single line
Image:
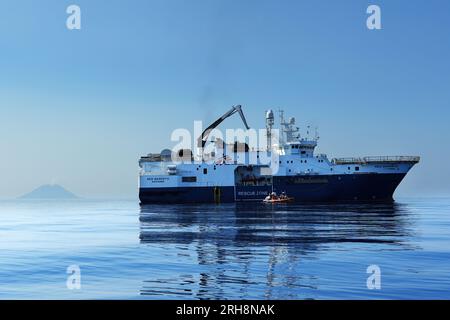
{"points": [[201, 141]]}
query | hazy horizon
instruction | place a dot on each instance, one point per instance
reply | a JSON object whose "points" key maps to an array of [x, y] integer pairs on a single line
{"points": [[78, 108]]}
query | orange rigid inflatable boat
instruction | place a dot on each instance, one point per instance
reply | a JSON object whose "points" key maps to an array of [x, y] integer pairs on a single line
{"points": [[273, 198], [279, 200]]}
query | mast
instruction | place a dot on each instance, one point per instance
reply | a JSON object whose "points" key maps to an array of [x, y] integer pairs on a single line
{"points": [[270, 121], [289, 131]]}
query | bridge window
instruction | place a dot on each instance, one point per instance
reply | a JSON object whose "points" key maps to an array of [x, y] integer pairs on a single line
{"points": [[189, 179]]}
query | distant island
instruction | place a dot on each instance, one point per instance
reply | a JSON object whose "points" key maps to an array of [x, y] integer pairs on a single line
{"points": [[48, 192]]}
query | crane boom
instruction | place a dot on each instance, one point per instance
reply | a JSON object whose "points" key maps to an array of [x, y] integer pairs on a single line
{"points": [[204, 136]]}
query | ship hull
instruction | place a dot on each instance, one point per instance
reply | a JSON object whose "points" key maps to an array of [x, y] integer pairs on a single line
{"points": [[314, 188]]}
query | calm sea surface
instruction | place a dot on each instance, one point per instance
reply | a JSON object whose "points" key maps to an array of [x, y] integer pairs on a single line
{"points": [[251, 251]]}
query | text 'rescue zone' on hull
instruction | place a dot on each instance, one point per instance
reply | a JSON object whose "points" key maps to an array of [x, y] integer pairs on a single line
{"points": [[301, 174]]}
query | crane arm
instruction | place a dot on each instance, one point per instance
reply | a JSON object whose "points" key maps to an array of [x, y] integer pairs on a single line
{"points": [[204, 136]]}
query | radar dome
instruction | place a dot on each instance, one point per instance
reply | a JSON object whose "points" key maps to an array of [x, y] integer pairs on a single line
{"points": [[166, 155]]}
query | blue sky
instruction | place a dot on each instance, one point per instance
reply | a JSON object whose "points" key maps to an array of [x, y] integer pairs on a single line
{"points": [[79, 107]]}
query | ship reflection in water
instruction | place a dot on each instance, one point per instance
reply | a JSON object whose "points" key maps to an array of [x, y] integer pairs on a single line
{"points": [[260, 251]]}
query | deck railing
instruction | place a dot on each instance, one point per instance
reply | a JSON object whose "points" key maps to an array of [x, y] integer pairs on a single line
{"points": [[379, 159]]}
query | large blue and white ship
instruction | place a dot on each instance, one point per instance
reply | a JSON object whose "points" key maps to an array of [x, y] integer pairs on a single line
{"points": [[226, 173]]}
